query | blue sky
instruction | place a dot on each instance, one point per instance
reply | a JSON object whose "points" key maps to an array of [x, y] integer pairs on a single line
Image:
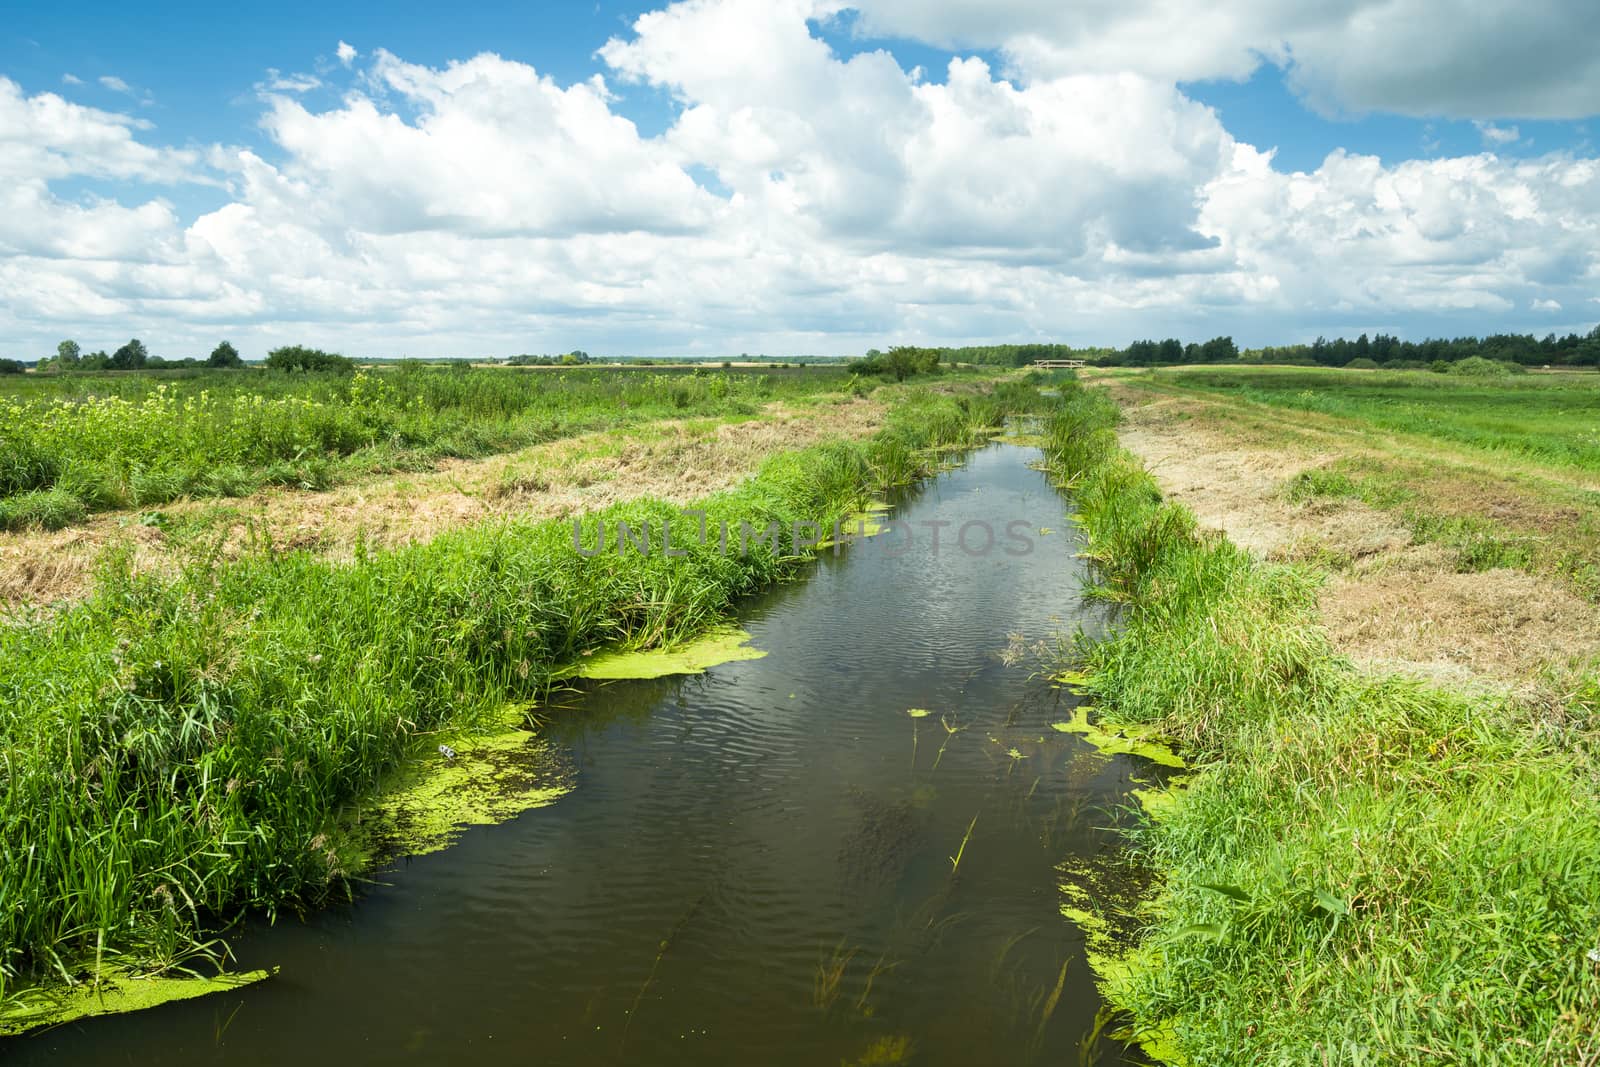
{"points": [[835, 196], [193, 68]]}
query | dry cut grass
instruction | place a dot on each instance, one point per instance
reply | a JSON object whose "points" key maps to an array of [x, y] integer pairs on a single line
{"points": [[1443, 562]]}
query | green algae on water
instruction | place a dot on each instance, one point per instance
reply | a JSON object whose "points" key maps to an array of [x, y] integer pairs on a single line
{"points": [[1104, 904], [1158, 801], [1133, 740], [1022, 440], [491, 777], [723, 644], [116, 991], [858, 525]]}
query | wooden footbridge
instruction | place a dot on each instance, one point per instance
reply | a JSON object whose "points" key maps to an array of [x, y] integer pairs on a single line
{"points": [[1058, 364]]}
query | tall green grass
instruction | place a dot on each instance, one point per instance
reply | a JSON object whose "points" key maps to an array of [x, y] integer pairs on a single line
{"points": [[174, 748], [1363, 869]]}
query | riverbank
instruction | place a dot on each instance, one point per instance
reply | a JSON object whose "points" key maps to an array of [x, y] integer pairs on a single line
{"points": [[1363, 867], [183, 747]]}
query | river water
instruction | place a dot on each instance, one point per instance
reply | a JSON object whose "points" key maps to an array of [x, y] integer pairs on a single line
{"points": [[755, 864]]}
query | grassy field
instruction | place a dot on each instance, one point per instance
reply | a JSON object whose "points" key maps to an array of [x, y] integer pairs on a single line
{"points": [[1364, 867], [71, 445], [180, 746], [1548, 418]]}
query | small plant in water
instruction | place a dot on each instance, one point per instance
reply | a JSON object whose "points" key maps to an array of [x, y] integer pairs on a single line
{"points": [[955, 861], [916, 714], [830, 973], [884, 1052], [949, 732], [1088, 1046], [877, 968]]}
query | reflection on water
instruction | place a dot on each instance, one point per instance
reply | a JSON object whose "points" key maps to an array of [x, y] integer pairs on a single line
{"points": [[772, 863]]}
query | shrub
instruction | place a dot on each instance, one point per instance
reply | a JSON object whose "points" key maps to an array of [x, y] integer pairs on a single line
{"points": [[1478, 367]]}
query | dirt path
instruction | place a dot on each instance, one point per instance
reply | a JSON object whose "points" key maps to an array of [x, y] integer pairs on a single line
{"points": [[1390, 602], [676, 460]]}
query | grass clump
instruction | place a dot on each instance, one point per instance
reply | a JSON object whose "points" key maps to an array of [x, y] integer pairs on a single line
{"points": [[1363, 869], [48, 509], [1480, 543]]}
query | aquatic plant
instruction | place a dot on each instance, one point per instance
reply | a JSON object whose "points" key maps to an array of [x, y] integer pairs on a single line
{"points": [[662, 949], [882, 966], [955, 861], [917, 714], [830, 974], [1048, 1010], [949, 732]]}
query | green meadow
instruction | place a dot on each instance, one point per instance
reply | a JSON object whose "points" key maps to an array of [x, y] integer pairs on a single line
{"points": [[75, 444], [1548, 418]]}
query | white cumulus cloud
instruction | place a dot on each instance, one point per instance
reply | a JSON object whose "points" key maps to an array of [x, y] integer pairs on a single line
{"points": [[796, 201], [1457, 58], [1497, 135]]}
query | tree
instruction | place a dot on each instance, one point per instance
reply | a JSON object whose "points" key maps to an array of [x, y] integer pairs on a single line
{"points": [[68, 355], [224, 355], [130, 356], [301, 358], [12, 366]]}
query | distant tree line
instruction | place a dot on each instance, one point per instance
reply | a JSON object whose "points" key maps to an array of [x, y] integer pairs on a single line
{"points": [[70, 359], [1018, 355], [1385, 350], [1174, 351]]}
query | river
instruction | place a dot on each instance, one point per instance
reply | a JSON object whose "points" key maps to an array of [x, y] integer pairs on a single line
{"points": [[756, 865]]}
